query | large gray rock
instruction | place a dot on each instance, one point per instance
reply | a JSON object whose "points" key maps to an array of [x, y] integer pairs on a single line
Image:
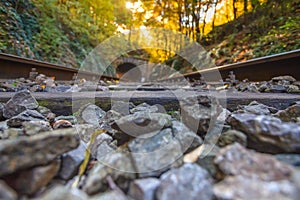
{"points": [[187, 138], [143, 188], [7, 193], [252, 175], [268, 134], [90, 114], [122, 107], [293, 89], [116, 165], [85, 131], [27, 115], [71, 162], [12, 133], [144, 107], [35, 127], [198, 115], [257, 108], [111, 116], [207, 162], [25, 152], [278, 89], [155, 154], [61, 192], [18, 103], [43, 110], [232, 136], [101, 139], [239, 187], [102, 145], [187, 182], [30, 181], [103, 149], [236, 160], [291, 114], [284, 78], [142, 123]]}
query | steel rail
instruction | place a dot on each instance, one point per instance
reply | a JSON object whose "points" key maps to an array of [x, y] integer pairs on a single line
{"points": [[258, 69], [12, 66]]}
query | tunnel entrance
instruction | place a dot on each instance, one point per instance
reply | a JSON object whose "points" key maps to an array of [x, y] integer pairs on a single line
{"points": [[129, 72]]}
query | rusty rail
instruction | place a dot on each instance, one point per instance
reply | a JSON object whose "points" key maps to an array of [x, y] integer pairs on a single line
{"points": [[15, 67], [259, 69]]}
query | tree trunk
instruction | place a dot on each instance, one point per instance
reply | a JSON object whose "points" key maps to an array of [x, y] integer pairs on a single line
{"points": [[194, 21], [245, 6], [204, 19], [214, 16], [179, 12], [234, 9], [198, 32]]}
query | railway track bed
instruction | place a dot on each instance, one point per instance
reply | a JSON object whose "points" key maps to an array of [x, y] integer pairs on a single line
{"points": [[148, 142], [237, 140], [62, 103]]}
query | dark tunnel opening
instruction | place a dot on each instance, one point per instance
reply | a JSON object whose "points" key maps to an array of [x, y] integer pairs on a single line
{"points": [[129, 72]]}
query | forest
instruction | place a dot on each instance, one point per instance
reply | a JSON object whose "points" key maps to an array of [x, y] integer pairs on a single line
{"points": [[65, 31]]}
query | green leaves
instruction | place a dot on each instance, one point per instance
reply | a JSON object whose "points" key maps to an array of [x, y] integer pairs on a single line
{"points": [[58, 31]]}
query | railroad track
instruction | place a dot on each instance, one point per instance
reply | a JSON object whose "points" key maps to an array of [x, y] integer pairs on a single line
{"points": [[16, 67], [180, 125], [259, 69]]}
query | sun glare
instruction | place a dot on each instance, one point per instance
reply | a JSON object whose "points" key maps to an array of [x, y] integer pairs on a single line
{"points": [[135, 7], [129, 5]]}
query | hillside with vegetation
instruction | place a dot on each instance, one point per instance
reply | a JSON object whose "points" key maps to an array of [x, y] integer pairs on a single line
{"points": [[65, 31], [270, 29], [56, 31]]}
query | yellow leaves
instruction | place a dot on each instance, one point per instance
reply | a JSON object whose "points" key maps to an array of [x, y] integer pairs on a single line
{"points": [[87, 156], [158, 55]]}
